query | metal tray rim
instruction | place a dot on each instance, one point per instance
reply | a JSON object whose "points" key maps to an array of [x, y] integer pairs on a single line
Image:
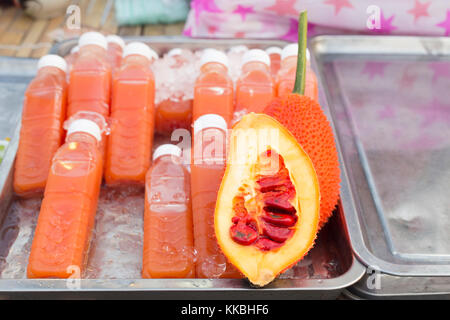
{"points": [[342, 45], [354, 273]]}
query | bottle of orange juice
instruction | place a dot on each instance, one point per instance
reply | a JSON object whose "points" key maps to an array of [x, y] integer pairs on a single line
{"points": [[255, 87], [132, 117], [275, 60], [175, 111], [41, 133], [63, 232], [71, 58], [90, 77], [179, 56], [213, 92], [286, 75], [114, 51], [207, 169], [168, 239]]}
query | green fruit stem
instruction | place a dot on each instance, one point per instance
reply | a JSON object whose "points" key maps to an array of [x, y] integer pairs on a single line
{"points": [[299, 86]]}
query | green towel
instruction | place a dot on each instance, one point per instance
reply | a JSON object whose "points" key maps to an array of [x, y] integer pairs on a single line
{"points": [[135, 12]]}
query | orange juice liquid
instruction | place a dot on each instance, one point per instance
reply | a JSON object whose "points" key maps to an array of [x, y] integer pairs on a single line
{"points": [[168, 238], [275, 63], [41, 132], [71, 58], [132, 117], [206, 177], [213, 92], [67, 214], [90, 82], [173, 114], [114, 54], [286, 79], [254, 88]]}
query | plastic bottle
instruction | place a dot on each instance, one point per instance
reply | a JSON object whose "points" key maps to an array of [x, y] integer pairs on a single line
{"points": [[286, 75], [255, 87], [70, 59], [213, 92], [179, 57], [115, 51], [90, 78], [238, 49], [176, 111], [67, 215], [132, 117], [235, 54], [275, 60], [207, 169], [41, 133], [168, 239]]}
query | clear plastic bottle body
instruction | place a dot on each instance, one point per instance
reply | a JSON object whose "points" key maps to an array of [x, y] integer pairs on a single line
{"points": [[213, 92], [71, 58], [132, 117], [275, 64], [175, 111], [114, 54], [168, 239], [66, 219], [206, 176], [90, 82], [255, 87], [41, 132]]}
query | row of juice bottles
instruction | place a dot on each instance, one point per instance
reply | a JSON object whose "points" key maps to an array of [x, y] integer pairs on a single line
{"points": [[112, 92]]}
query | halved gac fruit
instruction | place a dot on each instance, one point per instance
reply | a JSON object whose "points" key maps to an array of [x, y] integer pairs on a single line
{"points": [[267, 209]]}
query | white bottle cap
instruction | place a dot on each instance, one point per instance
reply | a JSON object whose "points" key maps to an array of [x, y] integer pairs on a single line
{"points": [[238, 49], [175, 52], [210, 121], [139, 48], [75, 49], [93, 37], [87, 126], [112, 38], [52, 60], [292, 50], [256, 55], [166, 149], [213, 55], [289, 51], [274, 50]]}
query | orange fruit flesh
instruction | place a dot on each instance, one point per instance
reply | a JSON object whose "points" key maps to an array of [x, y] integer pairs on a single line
{"points": [[245, 167], [265, 217]]}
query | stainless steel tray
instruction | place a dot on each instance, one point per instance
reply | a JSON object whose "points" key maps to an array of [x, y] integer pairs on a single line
{"points": [[15, 74], [395, 287], [391, 115], [329, 268]]}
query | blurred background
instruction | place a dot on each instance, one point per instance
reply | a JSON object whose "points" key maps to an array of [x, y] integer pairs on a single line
{"points": [[28, 28]]}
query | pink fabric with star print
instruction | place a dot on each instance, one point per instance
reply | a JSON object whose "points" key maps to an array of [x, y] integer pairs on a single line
{"points": [[399, 106], [278, 18]]}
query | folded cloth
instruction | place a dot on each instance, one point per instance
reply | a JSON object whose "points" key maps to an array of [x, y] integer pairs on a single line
{"points": [[133, 12], [278, 18]]}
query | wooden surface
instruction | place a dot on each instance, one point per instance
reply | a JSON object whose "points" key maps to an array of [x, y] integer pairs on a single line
{"points": [[23, 36]]}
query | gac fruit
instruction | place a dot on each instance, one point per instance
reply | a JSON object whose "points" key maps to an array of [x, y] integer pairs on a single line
{"points": [[267, 210], [304, 118]]}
